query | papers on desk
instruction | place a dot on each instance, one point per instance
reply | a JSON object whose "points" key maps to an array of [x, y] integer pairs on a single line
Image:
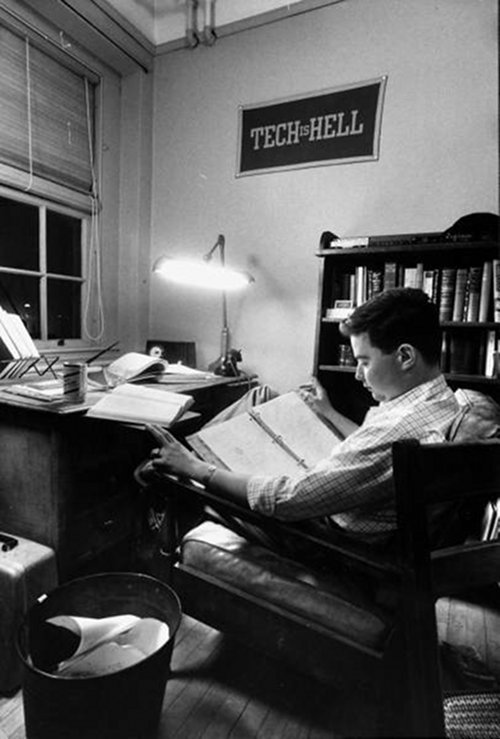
{"points": [[137, 367], [136, 404]]}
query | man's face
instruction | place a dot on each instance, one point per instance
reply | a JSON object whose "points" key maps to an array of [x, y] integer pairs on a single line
{"points": [[380, 373]]}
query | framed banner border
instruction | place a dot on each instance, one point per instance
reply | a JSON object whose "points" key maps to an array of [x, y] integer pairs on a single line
{"points": [[320, 162]]}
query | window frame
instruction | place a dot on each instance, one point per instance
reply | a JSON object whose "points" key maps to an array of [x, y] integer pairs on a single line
{"points": [[43, 205]]}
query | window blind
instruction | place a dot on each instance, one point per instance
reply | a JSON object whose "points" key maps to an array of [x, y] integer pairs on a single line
{"points": [[44, 107]]}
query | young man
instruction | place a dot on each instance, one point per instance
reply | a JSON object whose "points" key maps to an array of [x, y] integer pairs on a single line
{"points": [[396, 341]]}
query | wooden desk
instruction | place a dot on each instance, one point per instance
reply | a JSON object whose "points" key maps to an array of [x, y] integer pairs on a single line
{"points": [[66, 480]]}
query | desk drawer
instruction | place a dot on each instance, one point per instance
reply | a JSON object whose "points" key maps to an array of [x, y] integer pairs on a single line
{"points": [[101, 528]]}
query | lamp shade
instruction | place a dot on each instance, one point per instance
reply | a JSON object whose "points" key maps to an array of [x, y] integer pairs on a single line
{"points": [[199, 273]]}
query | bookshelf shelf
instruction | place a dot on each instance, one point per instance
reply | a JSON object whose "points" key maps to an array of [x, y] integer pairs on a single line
{"points": [[354, 273]]}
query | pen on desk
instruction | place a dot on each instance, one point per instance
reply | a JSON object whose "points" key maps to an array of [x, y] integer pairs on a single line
{"points": [[101, 352]]}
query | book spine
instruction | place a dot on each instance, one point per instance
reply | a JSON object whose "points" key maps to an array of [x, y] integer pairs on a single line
{"points": [[475, 274], [486, 291], [428, 282], [447, 292], [458, 302], [436, 284], [390, 275], [489, 366], [360, 284], [419, 275], [496, 290]]}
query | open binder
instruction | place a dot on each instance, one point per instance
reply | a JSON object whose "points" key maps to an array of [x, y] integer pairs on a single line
{"points": [[282, 436]]}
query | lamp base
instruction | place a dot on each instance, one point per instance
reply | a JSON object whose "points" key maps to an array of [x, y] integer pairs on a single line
{"points": [[226, 366]]}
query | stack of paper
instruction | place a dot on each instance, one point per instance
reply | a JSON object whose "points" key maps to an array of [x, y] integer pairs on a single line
{"points": [[17, 348]]}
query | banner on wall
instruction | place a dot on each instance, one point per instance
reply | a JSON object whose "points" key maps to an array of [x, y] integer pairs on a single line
{"points": [[334, 126]]}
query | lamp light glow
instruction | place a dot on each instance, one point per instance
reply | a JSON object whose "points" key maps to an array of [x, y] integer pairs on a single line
{"points": [[201, 274], [204, 274]]}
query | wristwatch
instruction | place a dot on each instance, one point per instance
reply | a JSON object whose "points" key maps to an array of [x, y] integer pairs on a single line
{"points": [[207, 477]]}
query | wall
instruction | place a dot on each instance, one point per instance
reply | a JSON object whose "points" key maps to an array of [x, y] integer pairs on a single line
{"points": [[438, 160]]}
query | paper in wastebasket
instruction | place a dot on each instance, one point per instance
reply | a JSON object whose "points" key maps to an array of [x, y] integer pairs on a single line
{"points": [[109, 644]]}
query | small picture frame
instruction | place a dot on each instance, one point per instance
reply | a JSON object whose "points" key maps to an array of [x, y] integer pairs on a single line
{"points": [[173, 351]]}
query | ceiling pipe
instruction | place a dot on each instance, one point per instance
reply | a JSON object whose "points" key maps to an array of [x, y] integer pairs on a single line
{"points": [[192, 34], [209, 33]]}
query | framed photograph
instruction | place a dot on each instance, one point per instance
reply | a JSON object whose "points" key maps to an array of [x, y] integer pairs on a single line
{"points": [[334, 126], [173, 351]]}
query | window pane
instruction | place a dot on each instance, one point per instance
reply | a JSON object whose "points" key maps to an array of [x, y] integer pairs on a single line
{"points": [[64, 254], [18, 234], [64, 316], [20, 294]]}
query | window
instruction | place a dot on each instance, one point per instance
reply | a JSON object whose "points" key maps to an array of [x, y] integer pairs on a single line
{"points": [[42, 267], [48, 187], [46, 116]]}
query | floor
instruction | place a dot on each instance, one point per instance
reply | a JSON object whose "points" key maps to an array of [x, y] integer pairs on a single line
{"points": [[220, 689]]}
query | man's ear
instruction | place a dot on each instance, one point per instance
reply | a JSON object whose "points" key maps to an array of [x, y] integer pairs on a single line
{"points": [[407, 356]]}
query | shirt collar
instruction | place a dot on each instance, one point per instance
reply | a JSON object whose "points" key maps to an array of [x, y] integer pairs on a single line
{"points": [[424, 391]]}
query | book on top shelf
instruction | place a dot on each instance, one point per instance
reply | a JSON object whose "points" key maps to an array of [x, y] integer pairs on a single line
{"points": [[459, 297], [447, 293], [390, 275], [474, 290]]}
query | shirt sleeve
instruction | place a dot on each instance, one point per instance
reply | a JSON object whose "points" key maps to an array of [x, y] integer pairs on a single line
{"points": [[359, 472]]}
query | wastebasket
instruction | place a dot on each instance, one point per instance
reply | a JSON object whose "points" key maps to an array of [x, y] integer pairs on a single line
{"points": [[121, 705]]}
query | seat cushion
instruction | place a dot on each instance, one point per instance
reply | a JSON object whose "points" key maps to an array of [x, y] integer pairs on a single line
{"points": [[331, 600]]}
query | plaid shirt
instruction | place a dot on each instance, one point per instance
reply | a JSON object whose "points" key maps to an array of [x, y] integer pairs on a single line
{"points": [[354, 486]]}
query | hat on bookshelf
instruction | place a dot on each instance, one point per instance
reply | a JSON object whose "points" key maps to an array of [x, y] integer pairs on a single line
{"points": [[475, 227]]}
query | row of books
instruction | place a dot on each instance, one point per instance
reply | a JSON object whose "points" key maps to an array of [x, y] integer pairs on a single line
{"points": [[18, 351], [476, 354], [463, 293]]}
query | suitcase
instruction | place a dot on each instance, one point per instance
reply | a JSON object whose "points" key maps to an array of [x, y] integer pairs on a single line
{"points": [[27, 571]]}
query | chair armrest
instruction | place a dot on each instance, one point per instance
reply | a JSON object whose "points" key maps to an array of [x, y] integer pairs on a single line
{"points": [[464, 566], [335, 544]]}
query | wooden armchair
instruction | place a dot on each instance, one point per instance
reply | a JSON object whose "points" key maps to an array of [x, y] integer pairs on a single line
{"points": [[371, 615]]}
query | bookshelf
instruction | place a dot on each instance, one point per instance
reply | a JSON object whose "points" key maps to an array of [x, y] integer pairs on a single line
{"points": [[452, 271]]}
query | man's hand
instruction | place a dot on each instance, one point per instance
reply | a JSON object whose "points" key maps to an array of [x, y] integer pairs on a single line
{"points": [[171, 456], [316, 397]]}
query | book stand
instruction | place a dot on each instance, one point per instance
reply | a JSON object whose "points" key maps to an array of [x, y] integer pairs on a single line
{"points": [[11, 369]]}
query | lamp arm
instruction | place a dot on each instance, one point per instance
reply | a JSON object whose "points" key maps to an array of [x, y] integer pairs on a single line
{"points": [[220, 244]]}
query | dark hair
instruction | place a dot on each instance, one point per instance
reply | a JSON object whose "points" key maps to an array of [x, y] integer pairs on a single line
{"points": [[401, 315]]}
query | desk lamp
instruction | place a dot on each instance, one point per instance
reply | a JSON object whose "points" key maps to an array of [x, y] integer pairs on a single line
{"points": [[205, 274]]}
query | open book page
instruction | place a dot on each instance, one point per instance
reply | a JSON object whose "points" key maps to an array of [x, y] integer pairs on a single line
{"points": [[242, 445], [131, 366], [282, 436], [138, 404]]}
